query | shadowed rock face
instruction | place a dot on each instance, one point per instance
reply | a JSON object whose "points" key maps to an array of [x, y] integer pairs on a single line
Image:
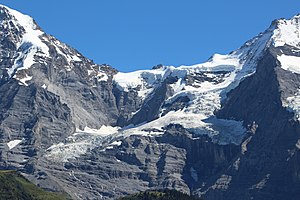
{"points": [[51, 107], [269, 168], [36, 115]]}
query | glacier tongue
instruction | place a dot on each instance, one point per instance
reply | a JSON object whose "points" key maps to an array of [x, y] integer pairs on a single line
{"points": [[80, 143]]}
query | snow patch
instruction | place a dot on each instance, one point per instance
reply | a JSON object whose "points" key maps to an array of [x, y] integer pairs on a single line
{"points": [[12, 144], [103, 131], [293, 104], [76, 58], [113, 144], [23, 81], [290, 63], [116, 143], [44, 86], [102, 76]]}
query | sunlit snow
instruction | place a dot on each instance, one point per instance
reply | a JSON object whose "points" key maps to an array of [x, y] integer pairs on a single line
{"points": [[287, 32], [30, 44], [80, 142], [198, 116], [44, 86], [290, 63], [12, 144], [293, 104], [103, 131], [23, 81]]}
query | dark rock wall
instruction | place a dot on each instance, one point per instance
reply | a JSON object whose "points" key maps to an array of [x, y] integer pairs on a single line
{"points": [[269, 168]]}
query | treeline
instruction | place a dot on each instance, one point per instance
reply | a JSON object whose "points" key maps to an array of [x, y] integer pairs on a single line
{"points": [[15, 187], [160, 195]]}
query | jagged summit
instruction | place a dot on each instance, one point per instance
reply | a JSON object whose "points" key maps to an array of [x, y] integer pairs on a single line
{"points": [[29, 42], [32, 47], [26, 27], [287, 31], [23, 20]]}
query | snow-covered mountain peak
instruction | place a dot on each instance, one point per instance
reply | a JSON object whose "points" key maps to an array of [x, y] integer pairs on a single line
{"points": [[287, 31], [23, 20], [27, 37], [31, 32], [205, 85], [238, 64], [31, 48]]}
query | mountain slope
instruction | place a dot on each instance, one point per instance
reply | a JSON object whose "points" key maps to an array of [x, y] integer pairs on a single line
{"points": [[15, 186], [268, 160], [159, 195], [268, 165], [215, 129]]}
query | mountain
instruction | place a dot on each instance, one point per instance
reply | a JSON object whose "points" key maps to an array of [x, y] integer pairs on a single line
{"points": [[224, 129]]}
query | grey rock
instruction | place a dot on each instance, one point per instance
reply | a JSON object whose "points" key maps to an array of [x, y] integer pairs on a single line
{"points": [[67, 92]]}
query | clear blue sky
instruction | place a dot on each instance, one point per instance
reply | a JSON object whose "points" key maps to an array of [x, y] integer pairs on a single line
{"points": [[138, 34]]}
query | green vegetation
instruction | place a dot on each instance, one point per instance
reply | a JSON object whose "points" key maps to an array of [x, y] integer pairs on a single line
{"points": [[14, 186], [159, 195]]}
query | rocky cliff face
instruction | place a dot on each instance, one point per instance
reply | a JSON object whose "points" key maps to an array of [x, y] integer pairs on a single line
{"points": [[268, 165], [224, 129]]}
